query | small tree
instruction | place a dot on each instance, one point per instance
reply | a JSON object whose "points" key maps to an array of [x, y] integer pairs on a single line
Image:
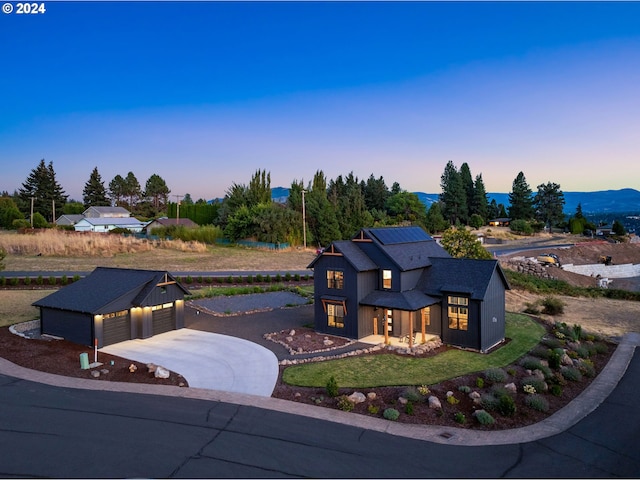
{"points": [[618, 228], [460, 243], [3, 254]]}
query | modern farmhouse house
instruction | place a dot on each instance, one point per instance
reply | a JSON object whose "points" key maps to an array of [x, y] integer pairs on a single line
{"points": [[112, 305], [397, 281]]}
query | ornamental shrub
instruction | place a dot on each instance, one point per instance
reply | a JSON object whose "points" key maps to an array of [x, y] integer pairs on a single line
{"points": [[345, 404], [39, 280], [391, 414], [535, 382], [452, 400], [495, 375], [571, 373], [484, 417], [373, 409], [52, 280], [14, 281], [332, 387], [479, 382], [587, 369], [530, 363], [554, 359], [460, 418], [412, 394], [408, 408], [489, 401], [537, 402], [555, 390], [27, 280], [541, 351], [506, 405], [464, 389], [601, 347], [551, 342], [582, 351]]}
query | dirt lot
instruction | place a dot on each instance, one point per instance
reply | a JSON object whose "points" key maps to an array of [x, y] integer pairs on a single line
{"points": [[612, 318]]}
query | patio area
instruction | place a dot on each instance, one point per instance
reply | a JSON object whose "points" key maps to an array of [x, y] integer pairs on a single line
{"points": [[402, 341]]}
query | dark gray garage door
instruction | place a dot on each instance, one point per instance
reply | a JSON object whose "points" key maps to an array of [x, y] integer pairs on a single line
{"points": [[164, 320], [117, 328]]}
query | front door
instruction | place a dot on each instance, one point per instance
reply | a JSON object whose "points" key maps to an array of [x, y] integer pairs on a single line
{"points": [[389, 322]]}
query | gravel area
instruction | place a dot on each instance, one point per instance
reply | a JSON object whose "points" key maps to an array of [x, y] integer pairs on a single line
{"points": [[252, 302]]}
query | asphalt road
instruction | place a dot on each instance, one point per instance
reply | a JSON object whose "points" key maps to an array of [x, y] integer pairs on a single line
{"points": [[48, 431]]}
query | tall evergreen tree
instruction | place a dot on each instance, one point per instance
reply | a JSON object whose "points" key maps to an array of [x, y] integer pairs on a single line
{"points": [[47, 194], [95, 193], [549, 204], [375, 193], [521, 200], [156, 189], [453, 196], [469, 189], [259, 190], [133, 190], [480, 204], [117, 189], [320, 215]]}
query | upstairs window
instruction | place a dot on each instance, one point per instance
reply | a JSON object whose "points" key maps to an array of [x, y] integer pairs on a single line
{"points": [[335, 279], [386, 279], [458, 312]]}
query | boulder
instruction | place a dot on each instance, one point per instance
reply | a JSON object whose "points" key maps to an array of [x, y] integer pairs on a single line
{"points": [[95, 373], [434, 403], [152, 367], [372, 395], [511, 387], [161, 372], [566, 360], [357, 397]]}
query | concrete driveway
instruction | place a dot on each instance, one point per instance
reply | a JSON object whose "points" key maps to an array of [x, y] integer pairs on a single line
{"points": [[206, 360]]}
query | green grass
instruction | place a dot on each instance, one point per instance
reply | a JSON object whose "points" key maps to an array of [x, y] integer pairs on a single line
{"points": [[394, 370], [209, 292]]}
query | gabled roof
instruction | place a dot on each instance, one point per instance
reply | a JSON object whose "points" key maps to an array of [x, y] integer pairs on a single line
{"points": [[460, 275], [408, 247], [107, 290], [72, 217], [410, 300], [356, 257], [108, 211]]}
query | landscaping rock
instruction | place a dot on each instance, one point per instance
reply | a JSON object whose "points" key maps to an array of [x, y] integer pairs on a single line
{"points": [[151, 367], [402, 401], [434, 403], [371, 395], [357, 397], [95, 373], [511, 387], [566, 360], [161, 372]]}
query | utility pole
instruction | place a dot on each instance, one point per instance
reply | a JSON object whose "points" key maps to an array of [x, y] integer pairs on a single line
{"points": [[178, 197], [304, 221], [31, 217]]}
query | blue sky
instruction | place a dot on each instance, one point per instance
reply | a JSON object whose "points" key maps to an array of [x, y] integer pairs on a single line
{"points": [[206, 93]]}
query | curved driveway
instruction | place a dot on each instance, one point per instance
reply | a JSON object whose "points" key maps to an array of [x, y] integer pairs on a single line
{"points": [[207, 360]]}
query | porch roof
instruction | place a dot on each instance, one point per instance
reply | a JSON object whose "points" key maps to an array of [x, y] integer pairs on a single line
{"points": [[410, 300]]}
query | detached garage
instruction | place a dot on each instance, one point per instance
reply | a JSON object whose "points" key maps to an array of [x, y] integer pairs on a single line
{"points": [[112, 305]]}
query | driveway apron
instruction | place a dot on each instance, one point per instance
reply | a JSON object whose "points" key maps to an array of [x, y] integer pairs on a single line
{"points": [[206, 360]]}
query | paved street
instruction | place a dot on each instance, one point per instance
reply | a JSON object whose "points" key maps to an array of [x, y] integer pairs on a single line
{"points": [[67, 432]]}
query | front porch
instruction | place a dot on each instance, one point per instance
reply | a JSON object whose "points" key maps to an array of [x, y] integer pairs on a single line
{"points": [[402, 341]]}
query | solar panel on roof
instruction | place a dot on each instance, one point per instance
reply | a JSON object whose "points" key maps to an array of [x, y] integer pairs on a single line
{"points": [[395, 235]]}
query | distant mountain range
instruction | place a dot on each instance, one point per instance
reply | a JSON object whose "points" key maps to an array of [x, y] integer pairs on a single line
{"points": [[626, 200]]}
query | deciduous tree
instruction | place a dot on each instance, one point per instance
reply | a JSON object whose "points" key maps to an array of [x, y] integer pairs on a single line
{"points": [[460, 243]]}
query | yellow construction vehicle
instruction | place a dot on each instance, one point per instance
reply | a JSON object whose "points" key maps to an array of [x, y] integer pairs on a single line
{"points": [[550, 259]]}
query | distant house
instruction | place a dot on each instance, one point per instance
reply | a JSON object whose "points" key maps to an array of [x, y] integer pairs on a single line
{"points": [[604, 230], [106, 224], [112, 305], [70, 219], [167, 222], [106, 212], [397, 281], [500, 222]]}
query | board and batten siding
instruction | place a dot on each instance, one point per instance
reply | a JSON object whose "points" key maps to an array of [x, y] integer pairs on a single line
{"points": [[367, 282], [493, 313]]}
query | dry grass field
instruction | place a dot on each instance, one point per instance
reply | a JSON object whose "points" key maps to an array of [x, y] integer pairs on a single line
{"points": [[63, 251], [15, 305]]}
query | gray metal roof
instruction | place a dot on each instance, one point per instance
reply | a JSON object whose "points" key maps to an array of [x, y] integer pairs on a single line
{"points": [[411, 300], [112, 221], [106, 290], [356, 257], [398, 235]]}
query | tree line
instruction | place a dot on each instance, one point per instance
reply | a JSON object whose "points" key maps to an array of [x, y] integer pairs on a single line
{"points": [[332, 209]]}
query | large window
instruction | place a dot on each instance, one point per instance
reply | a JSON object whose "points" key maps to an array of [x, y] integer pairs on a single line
{"points": [[386, 279], [458, 312], [335, 279], [335, 315]]}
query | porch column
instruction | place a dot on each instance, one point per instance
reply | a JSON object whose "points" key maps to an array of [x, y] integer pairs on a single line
{"points": [[411, 317], [424, 337], [386, 331], [375, 325]]}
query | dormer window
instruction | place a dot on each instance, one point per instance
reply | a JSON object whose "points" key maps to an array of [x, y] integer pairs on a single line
{"points": [[386, 279], [335, 279]]}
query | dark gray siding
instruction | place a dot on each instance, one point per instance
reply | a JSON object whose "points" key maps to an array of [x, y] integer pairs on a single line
{"points": [[73, 326], [469, 338], [493, 314], [164, 294], [367, 282], [349, 292]]}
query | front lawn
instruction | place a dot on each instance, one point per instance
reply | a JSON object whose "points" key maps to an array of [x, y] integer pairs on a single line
{"points": [[392, 370]]}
